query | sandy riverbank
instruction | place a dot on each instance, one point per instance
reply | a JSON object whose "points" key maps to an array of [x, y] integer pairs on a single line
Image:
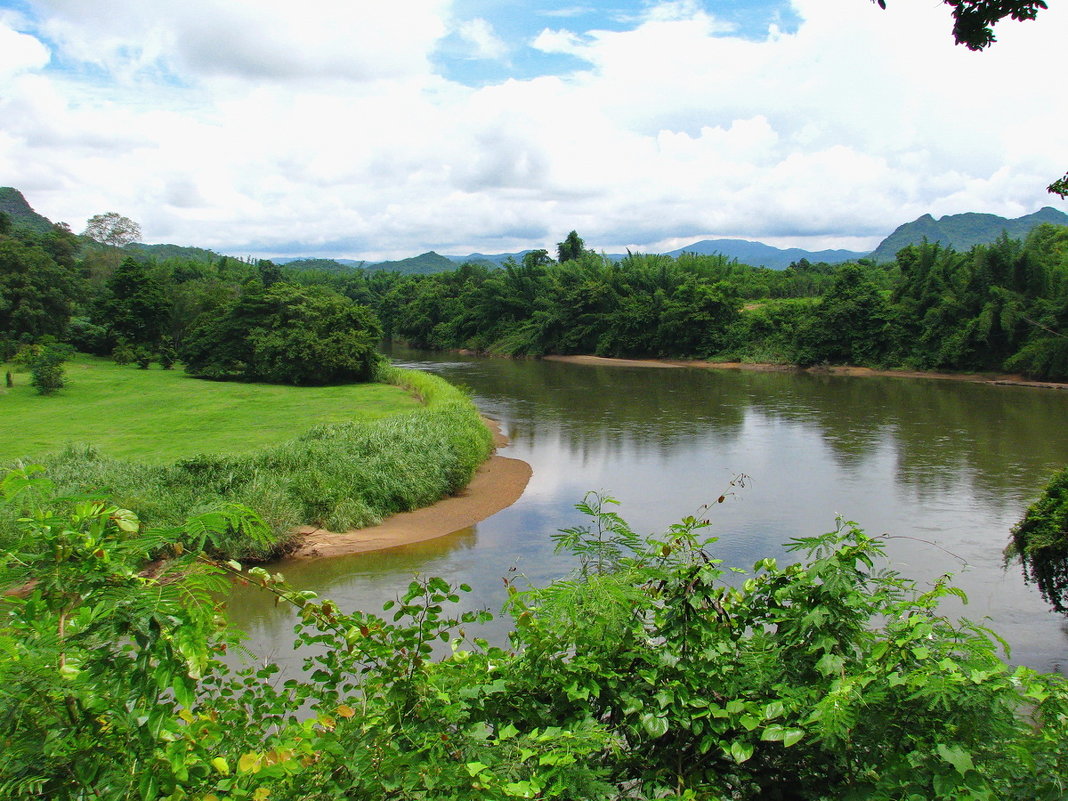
{"points": [[980, 378], [498, 483]]}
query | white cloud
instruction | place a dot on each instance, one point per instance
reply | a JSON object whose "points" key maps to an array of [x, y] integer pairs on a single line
{"points": [[559, 41], [485, 43], [20, 52], [259, 39], [249, 126]]}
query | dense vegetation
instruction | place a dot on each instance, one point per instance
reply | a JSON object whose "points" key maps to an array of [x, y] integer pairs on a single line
{"points": [[1001, 306], [1040, 542], [994, 307], [651, 672]]}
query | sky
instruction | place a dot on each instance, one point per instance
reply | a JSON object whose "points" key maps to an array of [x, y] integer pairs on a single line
{"points": [[370, 130]]}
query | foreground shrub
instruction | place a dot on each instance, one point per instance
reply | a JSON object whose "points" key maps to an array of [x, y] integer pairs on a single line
{"points": [[652, 672]]}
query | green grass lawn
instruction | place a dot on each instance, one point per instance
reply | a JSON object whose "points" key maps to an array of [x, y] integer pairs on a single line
{"points": [[161, 415]]}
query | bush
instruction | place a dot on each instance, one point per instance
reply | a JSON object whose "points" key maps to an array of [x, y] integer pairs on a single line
{"points": [[45, 361], [1040, 541], [652, 672], [123, 353], [143, 357], [286, 334]]}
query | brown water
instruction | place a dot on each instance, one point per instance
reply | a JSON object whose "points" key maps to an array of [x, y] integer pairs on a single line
{"points": [[944, 467]]}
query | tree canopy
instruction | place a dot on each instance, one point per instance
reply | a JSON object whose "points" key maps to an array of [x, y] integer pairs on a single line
{"points": [[285, 334], [974, 20], [112, 228]]}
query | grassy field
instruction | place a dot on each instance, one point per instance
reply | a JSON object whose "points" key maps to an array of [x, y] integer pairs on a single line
{"points": [[163, 415], [167, 447]]}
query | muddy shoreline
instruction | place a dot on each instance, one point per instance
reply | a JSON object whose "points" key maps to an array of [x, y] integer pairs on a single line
{"points": [[1006, 379]]}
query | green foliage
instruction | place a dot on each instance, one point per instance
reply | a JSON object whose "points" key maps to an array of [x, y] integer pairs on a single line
{"points": [[37, 293], [46, 368], [97, 657], [167, 357], [143, 357], [112, 228], [1040, 542], [849, 325], [974, 20], [1059, 187], [135, 305], [123, 353], [285, 334], [652, 672], [571, 248]]}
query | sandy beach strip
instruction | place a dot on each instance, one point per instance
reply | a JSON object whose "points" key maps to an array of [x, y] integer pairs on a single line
{"points": [[1005, 379], [497, 484]]}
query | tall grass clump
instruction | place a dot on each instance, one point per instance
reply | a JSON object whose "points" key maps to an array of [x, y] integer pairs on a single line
{"points": [[337, 476]]}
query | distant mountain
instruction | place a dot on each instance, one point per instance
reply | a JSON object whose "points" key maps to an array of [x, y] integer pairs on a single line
{"points": [[746, 252], [424, 263], [322, 265], [22, 215], [302, 263], [161, 252], [962, 231], [758, 254], [496, 259]]}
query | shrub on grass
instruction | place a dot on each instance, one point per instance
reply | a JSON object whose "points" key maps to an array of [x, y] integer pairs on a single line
{"points": [[122, 354], [46, 369], [167, 357], [143, 357]]}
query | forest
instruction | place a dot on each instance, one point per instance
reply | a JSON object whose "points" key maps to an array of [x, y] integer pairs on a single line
{"points": [[997, 307]]}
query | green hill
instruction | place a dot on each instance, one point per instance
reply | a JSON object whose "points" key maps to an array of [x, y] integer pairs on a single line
{"points": [[962, 231], [22, 215], [319, 265], [429, 262], [161, 252]]}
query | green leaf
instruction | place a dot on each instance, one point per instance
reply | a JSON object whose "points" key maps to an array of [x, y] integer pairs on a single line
{"points": [[741, 752], [792, 736], [655, 725], [475, 768], [773, 734], [957, 757]]}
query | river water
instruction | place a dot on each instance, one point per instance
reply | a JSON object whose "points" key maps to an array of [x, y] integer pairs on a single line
{"points": [[944, 468]]}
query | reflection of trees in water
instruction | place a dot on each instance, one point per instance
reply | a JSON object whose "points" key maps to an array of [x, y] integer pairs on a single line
{"points": [[599, 412], [1004, 441]]}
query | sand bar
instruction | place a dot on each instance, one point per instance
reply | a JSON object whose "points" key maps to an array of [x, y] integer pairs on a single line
{"points": [[1007, 379], [497, 484]]}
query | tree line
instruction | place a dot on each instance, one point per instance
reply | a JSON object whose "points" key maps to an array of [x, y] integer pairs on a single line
{"points": [[1001, 306]]}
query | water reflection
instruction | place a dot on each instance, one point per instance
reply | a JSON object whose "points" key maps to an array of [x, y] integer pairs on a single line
{"points": [[944, 467]]}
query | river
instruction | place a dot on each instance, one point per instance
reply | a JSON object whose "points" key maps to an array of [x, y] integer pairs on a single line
{"points": [[945, 468]]}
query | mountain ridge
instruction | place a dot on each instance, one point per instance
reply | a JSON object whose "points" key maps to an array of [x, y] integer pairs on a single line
{"points": [[963, 231], [959, 231]]}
